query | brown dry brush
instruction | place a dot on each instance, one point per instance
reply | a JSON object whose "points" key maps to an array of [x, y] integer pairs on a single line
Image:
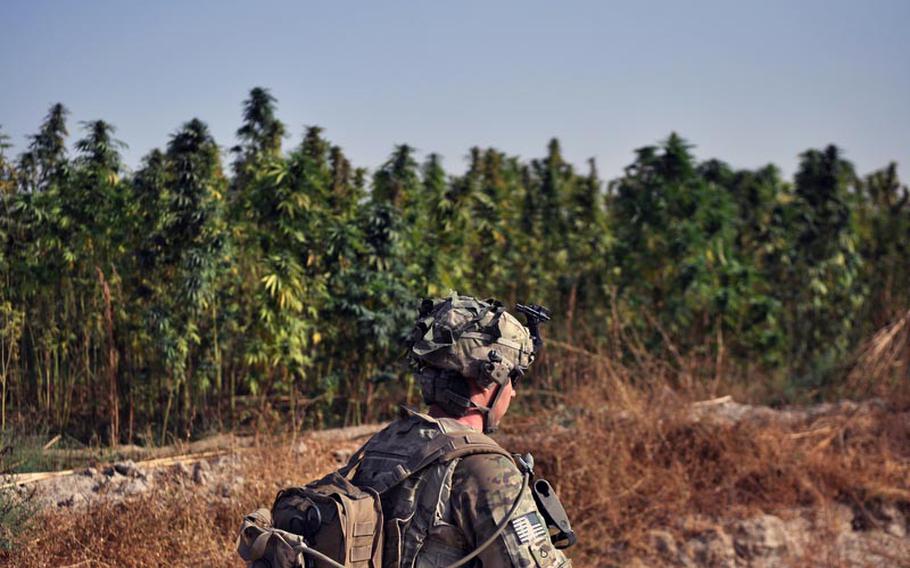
{"points": [[624, 469], [625, 457], [882, 366], [172, 525]]}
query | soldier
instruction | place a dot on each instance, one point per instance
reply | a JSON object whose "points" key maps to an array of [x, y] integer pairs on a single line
{"points": [[468, 356], [430, 490]]}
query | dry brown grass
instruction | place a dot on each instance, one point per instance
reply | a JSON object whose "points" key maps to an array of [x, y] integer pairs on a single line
{"points": [[882, 365], [634, 460], [625, 459], [170, 526]]}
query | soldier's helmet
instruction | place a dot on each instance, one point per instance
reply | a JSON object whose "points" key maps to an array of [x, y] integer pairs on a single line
{"points": [[463, 337]]}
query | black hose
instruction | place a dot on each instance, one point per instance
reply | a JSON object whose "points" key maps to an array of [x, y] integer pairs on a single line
{"points": [[501, 527]]}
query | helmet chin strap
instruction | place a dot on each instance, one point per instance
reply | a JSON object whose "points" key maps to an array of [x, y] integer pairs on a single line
{"points": [[490, 422], [452, 395]]}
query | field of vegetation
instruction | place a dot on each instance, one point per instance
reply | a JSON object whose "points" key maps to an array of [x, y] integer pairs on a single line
{"points": [[269, 296]]}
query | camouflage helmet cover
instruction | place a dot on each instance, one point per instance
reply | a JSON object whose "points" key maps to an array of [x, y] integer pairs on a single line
{"points": [[475, 338]]}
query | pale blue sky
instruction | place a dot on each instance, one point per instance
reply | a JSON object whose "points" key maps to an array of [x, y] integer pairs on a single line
{"points": [[747, 82]]}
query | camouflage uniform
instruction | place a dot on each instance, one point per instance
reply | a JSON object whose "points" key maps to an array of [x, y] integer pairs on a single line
{"points": [[440, 515]]}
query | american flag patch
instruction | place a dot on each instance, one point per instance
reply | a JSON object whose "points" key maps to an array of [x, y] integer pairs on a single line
{"points": [[529, 528]]}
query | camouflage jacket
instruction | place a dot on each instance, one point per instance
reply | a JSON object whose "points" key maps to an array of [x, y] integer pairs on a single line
{"points": [[440, 515]]}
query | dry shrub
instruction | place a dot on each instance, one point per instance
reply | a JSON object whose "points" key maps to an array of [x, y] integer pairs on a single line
{"points": [[169, 526], [635, 459], [626, 457], [882, 365]]}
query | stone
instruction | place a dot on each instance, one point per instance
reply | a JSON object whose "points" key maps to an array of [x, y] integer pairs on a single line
{"points": [[663, 544], [128, 469], [762, 537], [226, 461], [892, 520], [840, 517], [342, 456], [229, 488], [201, 472], [71, 501], [102, 484], [872, 548], [712, 547], [130, 486], [181, 470]]}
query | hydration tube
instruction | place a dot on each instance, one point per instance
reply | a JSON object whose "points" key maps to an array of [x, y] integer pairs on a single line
{"points": [[499, 528]]}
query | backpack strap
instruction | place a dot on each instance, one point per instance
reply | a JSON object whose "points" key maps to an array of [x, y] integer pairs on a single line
{"points": [[354, 461], [451, 445], [446, 446]]}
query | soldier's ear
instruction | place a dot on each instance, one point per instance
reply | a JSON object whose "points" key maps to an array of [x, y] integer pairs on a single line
{"points": [[516, 376], [475, 387]]}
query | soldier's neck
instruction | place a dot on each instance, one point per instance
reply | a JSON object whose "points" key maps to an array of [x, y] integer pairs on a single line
{"points": [[473, 420]]}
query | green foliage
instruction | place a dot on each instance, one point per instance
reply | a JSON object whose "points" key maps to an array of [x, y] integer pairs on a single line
{"points": [[16, 515], [823, 264], [674, 254], [883, 220], [152, 304], [261, 133]]}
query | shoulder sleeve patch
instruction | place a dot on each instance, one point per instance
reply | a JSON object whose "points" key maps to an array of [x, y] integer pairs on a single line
{"points": [[529, 528]]}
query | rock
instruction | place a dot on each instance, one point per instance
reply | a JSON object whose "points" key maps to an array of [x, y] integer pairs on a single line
{"points": [[839, 517], [201, 472], [72, 501], [228, 461], [90, 472], [102, 484], [892, 520], [877, 516], [711, 547], [762, 537], [128, 469], [724, 409], [130, 486], [873, 548], [342, 456], [802, 532], [663, 544], [181, 470], [229, 488]]}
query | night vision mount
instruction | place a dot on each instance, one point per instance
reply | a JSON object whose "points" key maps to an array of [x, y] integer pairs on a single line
{"points": [[535, 315]]}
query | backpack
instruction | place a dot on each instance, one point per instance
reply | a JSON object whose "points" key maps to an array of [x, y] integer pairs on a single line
{"points": [[333, 523]]}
